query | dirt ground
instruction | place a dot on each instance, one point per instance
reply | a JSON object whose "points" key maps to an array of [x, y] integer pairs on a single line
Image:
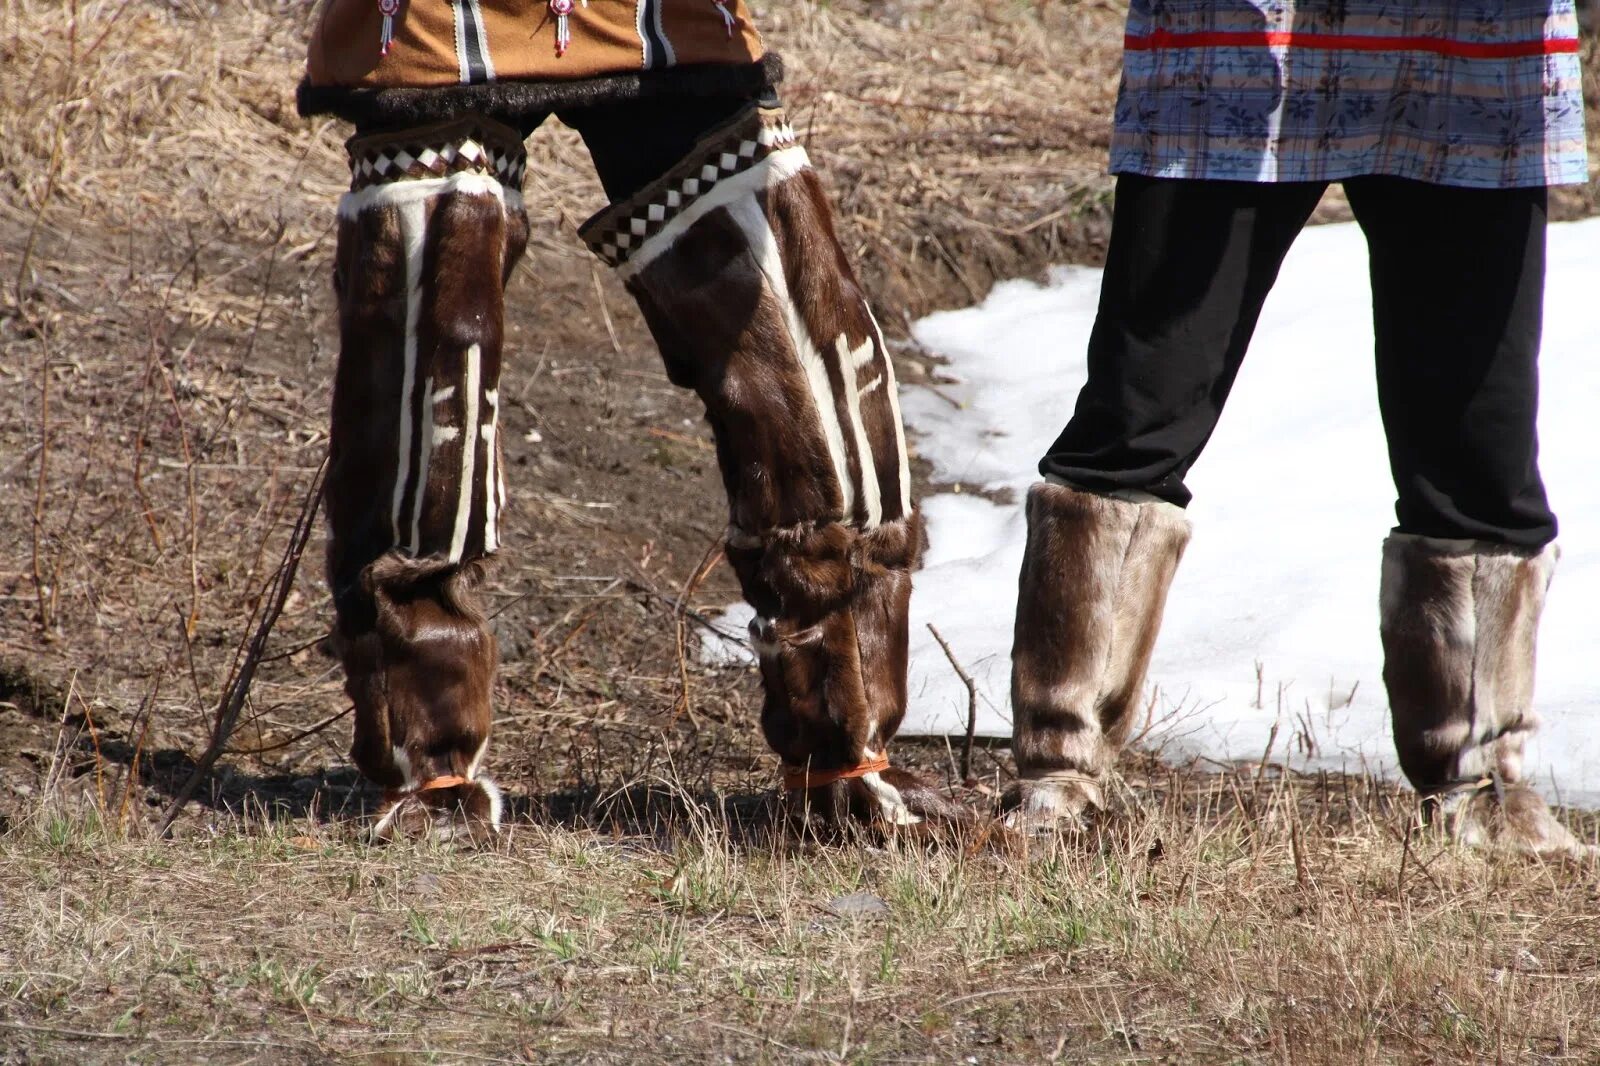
{"points": [[166, 346]]}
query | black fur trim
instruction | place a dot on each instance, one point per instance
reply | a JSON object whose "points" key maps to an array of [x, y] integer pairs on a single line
{"points": [[526, 103]]}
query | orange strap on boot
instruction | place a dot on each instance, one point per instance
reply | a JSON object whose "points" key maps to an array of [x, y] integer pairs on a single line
{"points": [[796, 778], [432, 784]]}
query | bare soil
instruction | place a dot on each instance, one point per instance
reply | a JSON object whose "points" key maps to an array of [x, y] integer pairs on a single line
{"points": [[166, 345]]}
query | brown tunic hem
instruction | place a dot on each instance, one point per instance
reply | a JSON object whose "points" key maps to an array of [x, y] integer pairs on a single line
{"points": [[518, 103]]}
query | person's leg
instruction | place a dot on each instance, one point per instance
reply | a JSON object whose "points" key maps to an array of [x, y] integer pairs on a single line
{"points": [[1458, 285], [729, 248], [427, 237], [1189, 267]]}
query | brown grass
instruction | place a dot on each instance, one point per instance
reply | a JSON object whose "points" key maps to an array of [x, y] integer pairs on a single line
{"points": [[165, 346], [1220, 918]]}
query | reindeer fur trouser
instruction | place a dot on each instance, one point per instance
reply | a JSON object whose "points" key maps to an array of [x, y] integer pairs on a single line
{"points": [[721, 230], [1457, 317]]}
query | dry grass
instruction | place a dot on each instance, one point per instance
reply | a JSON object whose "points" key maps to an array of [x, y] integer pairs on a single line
{"points": [[1223, 917], [166, 340]]}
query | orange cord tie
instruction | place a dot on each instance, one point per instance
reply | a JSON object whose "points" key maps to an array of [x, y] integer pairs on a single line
{"points": [[796, 778], [432, 784]]}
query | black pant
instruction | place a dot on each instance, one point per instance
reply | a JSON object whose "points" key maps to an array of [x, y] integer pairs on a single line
{"points": [[1457, 282]]}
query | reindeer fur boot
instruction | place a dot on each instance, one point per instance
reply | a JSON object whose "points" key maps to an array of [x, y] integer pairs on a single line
{"points": [[428, 235], [1459, 622], [733, 260], [1094, 583]]}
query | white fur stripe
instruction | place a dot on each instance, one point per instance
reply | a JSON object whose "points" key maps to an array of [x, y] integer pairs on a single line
{"points": [[777, 167], [413, 226], [469, 452], [892, 393], [424, 462], [890, 802], [491, 473], [747, 213], [416, 190], [849, 362]]}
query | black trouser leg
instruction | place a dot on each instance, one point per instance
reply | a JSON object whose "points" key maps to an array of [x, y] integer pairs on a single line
{"points": [[1189, 266], [634, 142], [1457, 289]]}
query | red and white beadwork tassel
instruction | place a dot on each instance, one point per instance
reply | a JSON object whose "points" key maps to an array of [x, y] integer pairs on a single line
{"points": [[389, 9], [727, 16], [562, 10]]}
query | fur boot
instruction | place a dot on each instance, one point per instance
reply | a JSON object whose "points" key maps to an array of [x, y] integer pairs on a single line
{"points": [[428, 235], [733, 260], [1093, 586], [1459, 621]]}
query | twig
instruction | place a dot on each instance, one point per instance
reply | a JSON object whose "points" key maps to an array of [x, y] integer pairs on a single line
{"points": [[131, 781], [708, 563], [605, 309], [297, 738], [972, 705], [44, 467], [232, 701]]}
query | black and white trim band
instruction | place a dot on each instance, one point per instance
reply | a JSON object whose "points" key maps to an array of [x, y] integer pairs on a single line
{"points": [[473, 146], [472, 43], [617, 233]]}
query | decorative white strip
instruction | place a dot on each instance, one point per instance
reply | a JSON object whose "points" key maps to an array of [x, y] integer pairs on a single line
{"points": [[639, 16], [777, 167], [469, 453], [463, 68], [747, 213], [867, 389], [491, 474], [892, 393], [477, 761], [416, 190], [402, 763], [413, 234], [441, 395], [445, 434], [424, 464], [497, 802], [850, 363]]}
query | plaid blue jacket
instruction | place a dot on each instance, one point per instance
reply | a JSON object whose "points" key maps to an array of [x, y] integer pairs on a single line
{"points": [[1480, 93]]}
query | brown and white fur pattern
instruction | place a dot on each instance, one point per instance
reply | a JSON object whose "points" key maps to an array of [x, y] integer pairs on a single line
{"points": [[427, 239], [1459, 621], [733, 259], [1091, 593]]}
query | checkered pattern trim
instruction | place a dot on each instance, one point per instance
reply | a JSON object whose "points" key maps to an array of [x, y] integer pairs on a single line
{"points": [[617, 232], [474, 146]]}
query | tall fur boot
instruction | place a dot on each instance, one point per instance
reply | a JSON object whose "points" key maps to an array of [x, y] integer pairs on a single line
{"points": [[732, 257], [1092, 590], [428, 235], [1459, 622]]}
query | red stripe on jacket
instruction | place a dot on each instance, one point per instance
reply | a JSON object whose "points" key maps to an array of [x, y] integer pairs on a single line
{"points": [[1339, 42]]}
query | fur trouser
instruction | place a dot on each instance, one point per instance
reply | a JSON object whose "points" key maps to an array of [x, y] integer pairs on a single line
{"points": [[733, 259], [428, 235], [1459, 621], [1093, 586]]}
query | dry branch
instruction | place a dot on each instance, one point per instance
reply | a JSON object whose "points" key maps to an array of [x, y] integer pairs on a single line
{"points": [[972, 705], [232, 702]]}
